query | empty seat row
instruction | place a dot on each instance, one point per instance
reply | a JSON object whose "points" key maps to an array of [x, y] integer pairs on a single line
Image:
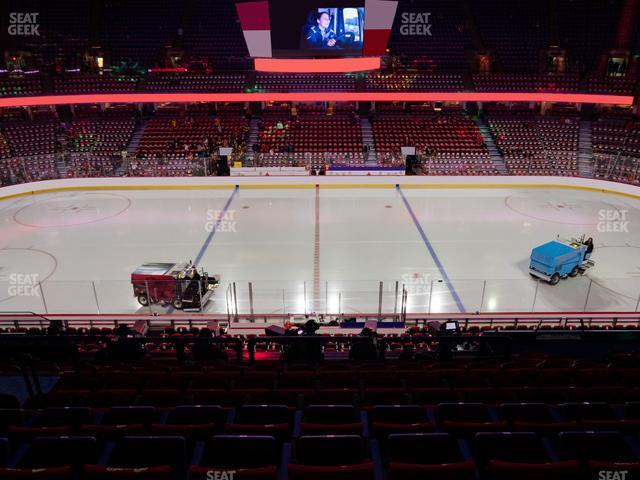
{"points": [[492, 456]]}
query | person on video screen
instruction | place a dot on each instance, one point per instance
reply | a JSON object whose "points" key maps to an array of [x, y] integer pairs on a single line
{"points": [[319, 34]]}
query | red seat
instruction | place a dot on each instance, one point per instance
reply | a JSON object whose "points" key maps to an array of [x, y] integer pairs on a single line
{"points": [[504, 470], [53, 473], [101, 472], [361, 471], [410, 471], [258, 473]]}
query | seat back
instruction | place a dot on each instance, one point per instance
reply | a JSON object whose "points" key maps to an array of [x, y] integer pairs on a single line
{"points": [[599, 446], [60, 451], [263, 414], [332, 414], [232, 451], [423, 448], [196, 414], [329, 450], [149, 451], [521, 447], [462, 412], [537, 412]]}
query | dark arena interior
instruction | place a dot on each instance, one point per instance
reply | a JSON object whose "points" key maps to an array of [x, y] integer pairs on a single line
{"points": [[331, 240]]}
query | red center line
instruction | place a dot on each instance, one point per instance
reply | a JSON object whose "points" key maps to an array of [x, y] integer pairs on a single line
{"points": [[316, 255]]}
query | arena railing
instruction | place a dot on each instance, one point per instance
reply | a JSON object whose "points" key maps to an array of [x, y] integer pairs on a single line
{"points": [[66, 345], [314, 159], [25, 169], [307, 342], [406, 297], [444, 345], [493, 345], [24, 324], [27, 349], [28, 168], [85, 165]]}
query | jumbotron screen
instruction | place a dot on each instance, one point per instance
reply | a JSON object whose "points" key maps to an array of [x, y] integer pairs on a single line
{"points": [[316, 28]]}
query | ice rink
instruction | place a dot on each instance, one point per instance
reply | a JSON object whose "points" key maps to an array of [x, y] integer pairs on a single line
{"points": [[319, 249]]}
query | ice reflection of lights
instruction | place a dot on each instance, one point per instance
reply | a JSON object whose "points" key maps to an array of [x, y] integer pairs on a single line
{"points": [[417, 302], [492, 303], [438, 302], [300, 304], [334, 303]]}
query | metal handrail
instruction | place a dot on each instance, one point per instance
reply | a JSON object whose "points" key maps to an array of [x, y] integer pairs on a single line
{"points": [[25, 312], [26, 340]]}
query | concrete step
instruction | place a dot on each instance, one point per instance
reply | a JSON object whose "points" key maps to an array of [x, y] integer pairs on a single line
{"points": [[585, 149], [136, 137], [368, 139], [492, 148], [251, 139]]}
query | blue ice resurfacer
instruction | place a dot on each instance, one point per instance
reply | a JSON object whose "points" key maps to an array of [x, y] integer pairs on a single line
{"points": [[555, 260]]}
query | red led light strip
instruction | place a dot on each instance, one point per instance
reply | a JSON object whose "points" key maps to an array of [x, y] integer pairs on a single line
{"points": [[316, 65], [316, 97]]}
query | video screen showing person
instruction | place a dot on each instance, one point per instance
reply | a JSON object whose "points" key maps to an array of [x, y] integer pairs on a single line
{"points": [[334, 29]]}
